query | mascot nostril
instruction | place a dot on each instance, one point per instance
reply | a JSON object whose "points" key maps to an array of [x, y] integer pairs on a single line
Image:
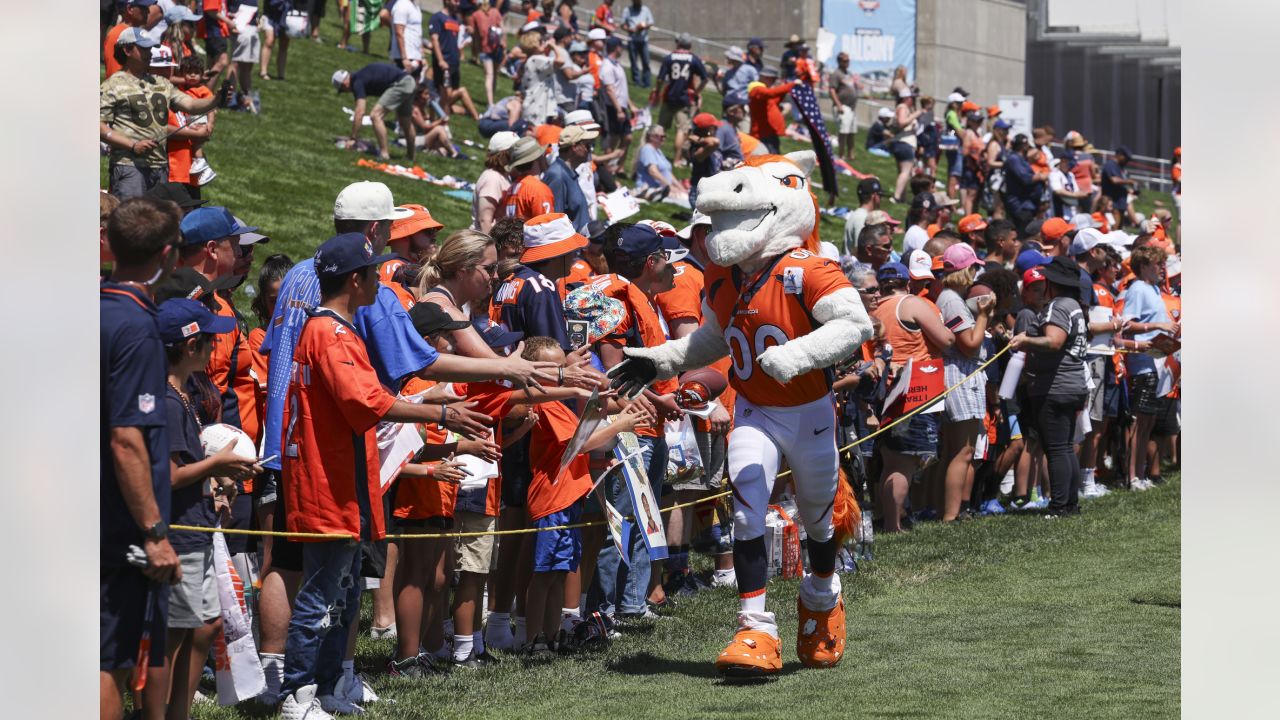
{"points": [[782, 314]]}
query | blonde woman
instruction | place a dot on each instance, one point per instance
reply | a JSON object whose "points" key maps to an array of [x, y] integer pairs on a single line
{"points": [[459, 279], [965, 406]]}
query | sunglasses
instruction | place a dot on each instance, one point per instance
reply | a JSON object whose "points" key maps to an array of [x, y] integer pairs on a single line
{"points": [[874, 290], [490, 269]]}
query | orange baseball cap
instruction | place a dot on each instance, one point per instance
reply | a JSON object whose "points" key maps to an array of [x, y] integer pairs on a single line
{"points": [[420, 220], [993, 110], [937, 264], [971, 223], [969, 106], [1054, 228]]}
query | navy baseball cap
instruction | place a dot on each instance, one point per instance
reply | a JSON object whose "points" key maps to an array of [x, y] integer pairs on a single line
{"points": [[1002, 124], [924, 201], [1125, 151], [642, 240], [1028, 259], [892, 271], [181, 318], [868, 187], [755, 42], [141, 3], [496, 335], [346, 253], [210, 223]]}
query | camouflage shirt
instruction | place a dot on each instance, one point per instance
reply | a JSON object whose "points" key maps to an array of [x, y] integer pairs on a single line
{"points": [[139, 108]]}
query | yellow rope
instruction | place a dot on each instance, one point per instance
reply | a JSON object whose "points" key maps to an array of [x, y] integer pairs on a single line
{"points": [[593, 523]]}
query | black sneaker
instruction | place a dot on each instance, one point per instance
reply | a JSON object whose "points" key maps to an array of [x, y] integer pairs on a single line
{"points": [[409, 668], [539, 649], [565, 642], [591, 633], [471, 663], [487, 658]]}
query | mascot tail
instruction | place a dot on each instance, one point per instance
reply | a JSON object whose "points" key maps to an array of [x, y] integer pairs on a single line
{"points": [[846, 516]]}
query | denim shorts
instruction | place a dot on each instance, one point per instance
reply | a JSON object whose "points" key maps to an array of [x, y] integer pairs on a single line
{"points": [[902, 152], [558, 550], [917, 436], [1142, 394]]}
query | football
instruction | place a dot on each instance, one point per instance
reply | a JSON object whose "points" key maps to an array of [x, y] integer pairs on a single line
{"points": [[215, 437], [699, 387]]}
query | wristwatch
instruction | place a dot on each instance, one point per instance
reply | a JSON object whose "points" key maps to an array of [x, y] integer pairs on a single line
{"points": [[159, 531]]}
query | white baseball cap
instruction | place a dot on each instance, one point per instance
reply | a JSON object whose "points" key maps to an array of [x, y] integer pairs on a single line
{"points": [[597, 34], [885, 113], [920, 265], [1080, 221], [578, 117], [339, 77], [502, 140], [699, 218], [1119, 238], [955, 97], [1086, 240], [366, 200]]}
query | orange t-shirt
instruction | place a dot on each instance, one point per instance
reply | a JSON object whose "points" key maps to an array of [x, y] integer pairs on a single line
{"points": [[579, 273], [640, 326], [593, 66], [213, 6], [527, 199], [181, 149], [548, 440], [331, 476], [387, 271], [684, 301], [906, 344], [109, 49], [259, 364], [771, 318], [240, 379]]}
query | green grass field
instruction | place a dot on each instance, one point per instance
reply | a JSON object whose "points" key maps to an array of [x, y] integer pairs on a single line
{"points": [[1011, 617]]}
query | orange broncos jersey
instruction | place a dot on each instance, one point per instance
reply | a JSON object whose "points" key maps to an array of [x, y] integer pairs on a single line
{"points": [[685, 299], [387, 273], [758, 315], [227, 348], [580, 272], [640, 327], [527, 199], [331, 475]]}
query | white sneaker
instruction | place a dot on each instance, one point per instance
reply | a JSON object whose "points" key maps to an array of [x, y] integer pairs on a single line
{"points": [[1093, 490], [384, 633], [339, 705], [727, 579], [1140, 484], [1006, 483], [303, 705]]}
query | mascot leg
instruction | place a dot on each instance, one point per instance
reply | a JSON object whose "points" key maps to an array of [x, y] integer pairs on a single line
{"points": [[753, 465], [815, 463]]}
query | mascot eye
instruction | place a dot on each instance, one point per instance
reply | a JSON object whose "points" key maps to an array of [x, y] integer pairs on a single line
{"points": [[792, 181]]}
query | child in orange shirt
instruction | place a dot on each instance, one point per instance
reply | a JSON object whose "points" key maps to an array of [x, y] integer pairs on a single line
{"points": [[556, 502]]}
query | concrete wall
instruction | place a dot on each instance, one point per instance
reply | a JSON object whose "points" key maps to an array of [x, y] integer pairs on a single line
{"points": [[979, 45]]}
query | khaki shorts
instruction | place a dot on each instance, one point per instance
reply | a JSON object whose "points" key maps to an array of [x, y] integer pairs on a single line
{"points": [[680, 116], [399, 97], [194, 600], [475, 554], [848, 121]]}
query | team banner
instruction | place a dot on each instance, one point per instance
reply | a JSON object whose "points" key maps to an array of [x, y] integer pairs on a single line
{"points": [[879, 35]]}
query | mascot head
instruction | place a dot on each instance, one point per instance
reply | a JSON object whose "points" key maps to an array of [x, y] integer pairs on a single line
{"points": [[760, 208]]}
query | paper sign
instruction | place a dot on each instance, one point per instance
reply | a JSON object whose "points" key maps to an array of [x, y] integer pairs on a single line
{"points": [[1100, 344], [397, 444], [587, 425], [648, 519], [619, 205], [617, 529], [919, 383]]}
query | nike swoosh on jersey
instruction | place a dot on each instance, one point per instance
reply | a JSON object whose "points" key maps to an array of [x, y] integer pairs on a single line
{"points": [[819, 431]]}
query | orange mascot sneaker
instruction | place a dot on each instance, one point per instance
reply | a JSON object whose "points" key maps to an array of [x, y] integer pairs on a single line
{"points": [[751, 654], [820, 636]]}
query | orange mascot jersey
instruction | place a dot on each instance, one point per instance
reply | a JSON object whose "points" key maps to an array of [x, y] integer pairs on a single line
{"points": [[330, 464], [770, 309]]}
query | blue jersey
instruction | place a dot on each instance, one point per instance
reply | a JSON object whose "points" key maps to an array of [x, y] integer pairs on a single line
{"points": [[678, 70], [527, 302], [395, 348], [132, 381]]}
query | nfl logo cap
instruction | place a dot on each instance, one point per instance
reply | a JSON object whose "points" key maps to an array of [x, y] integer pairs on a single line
{"points": [[345, 253], [181, 318]]}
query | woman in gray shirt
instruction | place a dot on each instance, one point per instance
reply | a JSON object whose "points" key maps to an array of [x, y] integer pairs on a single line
{"points": [[1056, 379]]}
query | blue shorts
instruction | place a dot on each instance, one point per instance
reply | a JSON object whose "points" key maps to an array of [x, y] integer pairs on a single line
{"points": [[969, 179], [558, 550], [955, 164], [902, 152], [917, 436], [123, 596]]}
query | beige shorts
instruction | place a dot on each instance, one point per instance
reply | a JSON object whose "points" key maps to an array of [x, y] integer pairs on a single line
{"points": [[399, 97], [475, 554], [848, 121], [680, 116], [194, 600]]}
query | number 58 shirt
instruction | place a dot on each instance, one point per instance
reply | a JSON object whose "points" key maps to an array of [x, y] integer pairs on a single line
{"points": [[138, 108], [330, 451]]}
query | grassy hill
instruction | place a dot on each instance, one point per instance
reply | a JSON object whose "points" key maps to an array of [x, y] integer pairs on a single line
{"points": [[280, 170]]}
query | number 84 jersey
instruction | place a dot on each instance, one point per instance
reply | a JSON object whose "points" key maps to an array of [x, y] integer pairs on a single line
{"points": [[760, 311]]}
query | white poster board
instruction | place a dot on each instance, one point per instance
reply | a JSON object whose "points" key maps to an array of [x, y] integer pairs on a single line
{"points": [[1017, 109]]}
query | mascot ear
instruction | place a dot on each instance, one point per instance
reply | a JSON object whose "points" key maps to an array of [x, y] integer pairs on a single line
{"points": [[806, 159]]}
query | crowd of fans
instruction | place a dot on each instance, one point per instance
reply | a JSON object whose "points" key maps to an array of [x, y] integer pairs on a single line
{"points": [[481, 345]]}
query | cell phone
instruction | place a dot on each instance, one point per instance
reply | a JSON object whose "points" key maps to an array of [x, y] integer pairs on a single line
{"points": [[577, 332]]}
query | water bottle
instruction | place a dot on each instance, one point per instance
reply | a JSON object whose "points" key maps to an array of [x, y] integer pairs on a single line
{"points": [[250, 291]]}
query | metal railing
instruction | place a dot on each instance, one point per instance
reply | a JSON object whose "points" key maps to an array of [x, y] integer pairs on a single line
{"points": [[1151, 172]]}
